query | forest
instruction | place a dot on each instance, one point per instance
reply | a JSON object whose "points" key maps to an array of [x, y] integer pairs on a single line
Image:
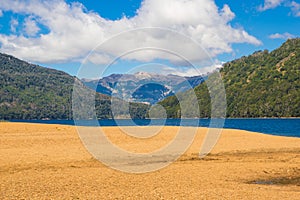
{"points": [[264, 84]]}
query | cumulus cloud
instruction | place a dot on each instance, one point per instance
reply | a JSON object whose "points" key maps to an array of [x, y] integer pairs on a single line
{"points": [[189, 72], [295, 8], [270, 4], [30, 26], [281, 36], [13, 25], [74, 31], [1, 13]]}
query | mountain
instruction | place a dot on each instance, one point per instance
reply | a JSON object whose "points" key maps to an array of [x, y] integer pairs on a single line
{"points": [[264, 84], [142, 86], [29, 91]]}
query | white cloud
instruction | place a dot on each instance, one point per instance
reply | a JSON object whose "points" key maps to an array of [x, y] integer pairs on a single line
{"points": [[196, 72], [269, 4], [13, 25], [295, 8], [73, 32], [188, 71], [30, 26], [1, 13], [281, 36]]}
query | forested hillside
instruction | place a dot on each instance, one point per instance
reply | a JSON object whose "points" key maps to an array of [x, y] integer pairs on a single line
{"points": [[29, 91], [264, 84], [260, 85]]}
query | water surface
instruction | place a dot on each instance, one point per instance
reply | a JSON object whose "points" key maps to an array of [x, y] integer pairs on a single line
{"points": [[283, 127]]}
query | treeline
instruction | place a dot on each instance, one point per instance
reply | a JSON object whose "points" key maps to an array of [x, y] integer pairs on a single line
{"points": [[260, 85], [264, 84], [32, 92]]}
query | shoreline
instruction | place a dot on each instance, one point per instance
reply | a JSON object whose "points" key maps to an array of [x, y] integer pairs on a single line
{"points": [[50, 161], [278, 131]]}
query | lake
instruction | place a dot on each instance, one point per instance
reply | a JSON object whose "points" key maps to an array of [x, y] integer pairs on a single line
{"points": [[282, 127]]}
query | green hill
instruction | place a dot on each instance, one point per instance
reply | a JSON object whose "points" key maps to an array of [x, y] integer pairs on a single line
{"points": [[29, 91], [260, 85]]}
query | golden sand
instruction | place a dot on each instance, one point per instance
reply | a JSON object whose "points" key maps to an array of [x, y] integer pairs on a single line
{"points": [[50, 162]]}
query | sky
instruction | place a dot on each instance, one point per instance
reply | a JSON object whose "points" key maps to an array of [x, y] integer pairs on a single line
{"points": [[92, 39]]}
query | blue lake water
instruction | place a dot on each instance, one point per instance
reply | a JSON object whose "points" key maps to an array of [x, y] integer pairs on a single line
{"points": [[283, 127]]}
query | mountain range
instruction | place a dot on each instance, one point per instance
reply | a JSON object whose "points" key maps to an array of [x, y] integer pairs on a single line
{"points": [[29, 91], [264, 84], [143, 87]]}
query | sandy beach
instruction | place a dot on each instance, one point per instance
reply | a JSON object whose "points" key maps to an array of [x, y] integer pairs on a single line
{"points": [[40, 161]]}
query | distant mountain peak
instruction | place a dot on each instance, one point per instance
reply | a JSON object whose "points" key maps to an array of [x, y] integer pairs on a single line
{"points": [[143, 74], [143, 86], [33, 92]]}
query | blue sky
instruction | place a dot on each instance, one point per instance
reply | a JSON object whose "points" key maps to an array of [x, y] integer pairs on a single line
{"points": [[61, 34]]}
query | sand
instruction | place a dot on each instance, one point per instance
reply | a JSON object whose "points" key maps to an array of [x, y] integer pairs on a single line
{"points": [[50, 162]]}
